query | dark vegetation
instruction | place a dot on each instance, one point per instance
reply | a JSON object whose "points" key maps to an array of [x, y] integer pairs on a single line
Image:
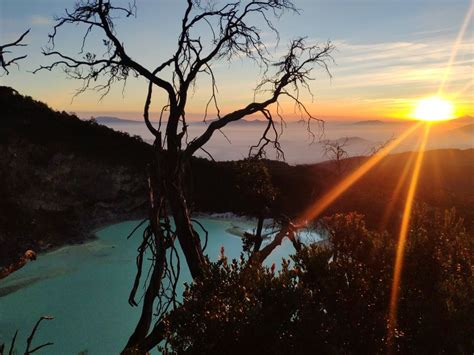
{"points": [[33, 121], [445, 181], [61, 177], [333, 298]]}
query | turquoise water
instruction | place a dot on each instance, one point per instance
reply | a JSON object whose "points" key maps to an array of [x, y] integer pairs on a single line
{"points": [[85, 288]]}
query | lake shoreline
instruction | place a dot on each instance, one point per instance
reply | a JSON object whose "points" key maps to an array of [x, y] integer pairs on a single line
{"points": [[95, 278], [88, 236], [94, 227]]}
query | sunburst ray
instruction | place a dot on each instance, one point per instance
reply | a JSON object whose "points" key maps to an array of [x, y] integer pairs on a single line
{"points": [[321, 204], [396, 192], [406, 218]]}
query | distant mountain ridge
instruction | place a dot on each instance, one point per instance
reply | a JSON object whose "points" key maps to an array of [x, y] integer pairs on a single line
{"points": [[241, 122], [467, 129], [369, 122], [114, 120], [465, 119], [105, 120], [351, 140], [257, 122]]}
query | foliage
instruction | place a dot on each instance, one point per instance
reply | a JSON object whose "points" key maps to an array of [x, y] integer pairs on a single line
{"points": [[333, 297], [255, 185], [443, 184]]}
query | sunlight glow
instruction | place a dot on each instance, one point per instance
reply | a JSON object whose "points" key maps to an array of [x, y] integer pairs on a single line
{"points": [[321, 204], [434, 109], [398, 267]]}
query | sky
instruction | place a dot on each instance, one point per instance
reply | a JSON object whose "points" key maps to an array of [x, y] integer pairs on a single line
{"points": [[389, 54]]}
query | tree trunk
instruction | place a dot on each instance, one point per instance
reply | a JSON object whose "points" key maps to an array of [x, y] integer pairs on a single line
{"points": [[167, 190], [258, 235], [187, 236], [137, 339]]}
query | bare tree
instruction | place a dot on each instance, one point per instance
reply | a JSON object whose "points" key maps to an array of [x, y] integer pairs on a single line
{"points": [[376, 149], [5, 49], [233, 32], [336, 151]]}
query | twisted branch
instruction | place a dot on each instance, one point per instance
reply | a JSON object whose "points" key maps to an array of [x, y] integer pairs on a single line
{"points": [[4, 64]]}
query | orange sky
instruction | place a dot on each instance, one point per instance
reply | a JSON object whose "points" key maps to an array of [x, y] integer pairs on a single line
{"points": [[387, 58]]}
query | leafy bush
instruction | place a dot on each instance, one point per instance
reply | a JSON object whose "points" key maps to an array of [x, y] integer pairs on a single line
{"points": [[333, 297]]}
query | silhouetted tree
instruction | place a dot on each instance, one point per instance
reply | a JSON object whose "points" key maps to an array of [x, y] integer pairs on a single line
{"points": [[5, 49], [336, 151], [232, 32]]}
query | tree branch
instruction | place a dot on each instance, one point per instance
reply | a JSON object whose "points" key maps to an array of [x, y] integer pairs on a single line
{"points": [[293, 72], [4, 64], [32, 335]]}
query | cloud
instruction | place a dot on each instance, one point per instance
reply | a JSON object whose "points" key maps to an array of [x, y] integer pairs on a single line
{"points": [[409, 63], [38, 20]]}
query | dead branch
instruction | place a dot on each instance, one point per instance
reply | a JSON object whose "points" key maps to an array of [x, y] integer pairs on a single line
{"points": [[293, 71], [379, 147], [4, 64], [336, 151], [287, 230], [29, 340], [32, 335]]}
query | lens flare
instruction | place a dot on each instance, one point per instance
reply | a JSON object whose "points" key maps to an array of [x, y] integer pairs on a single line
{"points": [[321, 204], [396, 192], [398, 267], [434, 109]]}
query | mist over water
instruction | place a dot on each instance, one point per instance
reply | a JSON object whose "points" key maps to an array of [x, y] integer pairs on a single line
{"points": [[301, 147]]}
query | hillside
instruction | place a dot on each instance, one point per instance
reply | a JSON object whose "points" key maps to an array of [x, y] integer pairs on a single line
{"points": [[62, 177], [446, 181], [467, 130], [114, 120]]}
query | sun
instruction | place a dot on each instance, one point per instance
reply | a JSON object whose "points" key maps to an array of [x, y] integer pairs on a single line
{"points": [[434, 109]]}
